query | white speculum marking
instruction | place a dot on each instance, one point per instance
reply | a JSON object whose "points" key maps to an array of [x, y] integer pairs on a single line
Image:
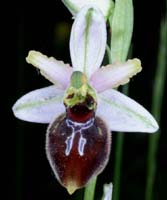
{"points": [[69, 143], [77, 128], [81, 145]]}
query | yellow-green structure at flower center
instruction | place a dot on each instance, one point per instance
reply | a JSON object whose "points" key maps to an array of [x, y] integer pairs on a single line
{"points": [[78, 92]]}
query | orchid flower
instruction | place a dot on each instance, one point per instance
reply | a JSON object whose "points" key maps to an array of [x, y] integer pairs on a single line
{"points": [[81, 106]]}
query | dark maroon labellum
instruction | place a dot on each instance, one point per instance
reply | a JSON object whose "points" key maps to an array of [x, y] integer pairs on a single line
{"points": [[77, 151], [79, 113]]}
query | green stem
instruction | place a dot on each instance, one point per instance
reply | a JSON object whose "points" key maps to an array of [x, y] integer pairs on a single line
{"points": [[122, 26], [158, 90], [90, 190], [108, 53], [118, 158], [117, 166]]}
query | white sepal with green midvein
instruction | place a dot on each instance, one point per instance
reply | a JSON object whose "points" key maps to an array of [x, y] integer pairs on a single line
{"points": [[41, 105], [122, 113], [88, 40]]}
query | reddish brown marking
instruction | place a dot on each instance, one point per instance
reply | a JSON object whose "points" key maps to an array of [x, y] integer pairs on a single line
{"points": [[74, 167]]}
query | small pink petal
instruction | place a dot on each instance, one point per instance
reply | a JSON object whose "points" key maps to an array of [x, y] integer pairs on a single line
{"points": [[55, 71], [111, 76]]}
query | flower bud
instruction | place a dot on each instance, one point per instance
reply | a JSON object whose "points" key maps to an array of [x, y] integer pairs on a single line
{"points": [[74, 6]]}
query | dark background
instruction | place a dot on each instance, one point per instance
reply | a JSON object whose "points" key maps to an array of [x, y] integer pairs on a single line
{"points": [[46, 27]]}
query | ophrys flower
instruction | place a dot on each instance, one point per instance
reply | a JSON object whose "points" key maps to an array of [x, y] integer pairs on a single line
{"points": [[81, 106]]}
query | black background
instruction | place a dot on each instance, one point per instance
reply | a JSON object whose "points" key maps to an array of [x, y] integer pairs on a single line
{"points": [[28, 26]]}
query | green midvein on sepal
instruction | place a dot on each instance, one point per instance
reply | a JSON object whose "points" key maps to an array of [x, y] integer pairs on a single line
{"points": [[88, 24]]}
